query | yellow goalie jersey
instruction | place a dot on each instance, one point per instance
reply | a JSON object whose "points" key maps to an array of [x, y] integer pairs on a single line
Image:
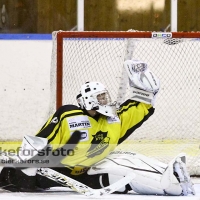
{"points": [[100, 134]]}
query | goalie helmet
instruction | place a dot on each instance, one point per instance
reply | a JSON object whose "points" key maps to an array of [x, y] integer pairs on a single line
{"points": [[95, 96]]}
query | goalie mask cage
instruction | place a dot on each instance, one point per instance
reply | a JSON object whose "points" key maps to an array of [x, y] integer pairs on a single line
{"points": [[78, 57]]}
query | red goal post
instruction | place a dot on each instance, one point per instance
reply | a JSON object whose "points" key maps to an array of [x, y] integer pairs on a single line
{"points": [[174, 57]]}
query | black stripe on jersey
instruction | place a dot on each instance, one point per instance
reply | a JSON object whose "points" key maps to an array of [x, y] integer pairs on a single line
{"points": [[46, 131], [65, 116], [131, 130], [58, 113], [128, 103]]}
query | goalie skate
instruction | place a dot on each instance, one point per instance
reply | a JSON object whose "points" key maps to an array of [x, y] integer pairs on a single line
{"points": [[183, 176]]}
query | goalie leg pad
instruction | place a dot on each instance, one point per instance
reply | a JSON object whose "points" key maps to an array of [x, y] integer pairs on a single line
{"points": [[29, 149], [32, 145], [176, 171], [152, 176], [108, 179], [148, 171]]}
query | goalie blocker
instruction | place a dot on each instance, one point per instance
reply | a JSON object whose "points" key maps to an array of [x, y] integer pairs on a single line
{"points": [[144, 85]]}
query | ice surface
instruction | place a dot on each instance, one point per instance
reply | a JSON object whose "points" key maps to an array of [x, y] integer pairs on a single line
{"points": [[65, 194]]}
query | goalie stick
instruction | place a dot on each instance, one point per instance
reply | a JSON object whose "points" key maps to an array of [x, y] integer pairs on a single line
{"points": [[82, 188]]}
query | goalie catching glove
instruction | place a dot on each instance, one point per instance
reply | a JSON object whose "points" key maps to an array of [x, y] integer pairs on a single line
{"points": [[144, 84]]}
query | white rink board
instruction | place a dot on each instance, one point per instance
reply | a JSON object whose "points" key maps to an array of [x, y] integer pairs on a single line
{"points": [[24, 86]]}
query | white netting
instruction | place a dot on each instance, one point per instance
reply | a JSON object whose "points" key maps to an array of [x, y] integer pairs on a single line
{"points": [[175, 126]]}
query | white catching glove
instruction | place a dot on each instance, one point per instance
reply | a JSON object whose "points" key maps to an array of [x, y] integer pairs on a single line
{"points": [[144, 84]]}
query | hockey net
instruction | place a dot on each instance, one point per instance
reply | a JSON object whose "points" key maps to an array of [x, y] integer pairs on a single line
{"points": [[78, 57]]}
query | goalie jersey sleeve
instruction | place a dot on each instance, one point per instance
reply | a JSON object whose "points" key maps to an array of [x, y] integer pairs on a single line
{"points": [[132, 114], [99, 136]]}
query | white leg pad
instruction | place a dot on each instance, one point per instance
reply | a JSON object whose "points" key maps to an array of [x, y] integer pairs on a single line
{"points": [[30, 171], [151, 176], [1, 168], [145, 183], [170, 182], [114, 178]]}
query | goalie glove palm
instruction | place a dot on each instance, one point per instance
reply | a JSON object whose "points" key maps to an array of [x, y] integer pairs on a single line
{"points": [[144, 84]]}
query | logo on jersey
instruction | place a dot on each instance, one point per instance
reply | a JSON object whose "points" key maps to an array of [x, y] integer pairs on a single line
{"points": [[77, 170], [112, 120], [54, 120], [78, 122], [84, 135], [99, 143]]}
